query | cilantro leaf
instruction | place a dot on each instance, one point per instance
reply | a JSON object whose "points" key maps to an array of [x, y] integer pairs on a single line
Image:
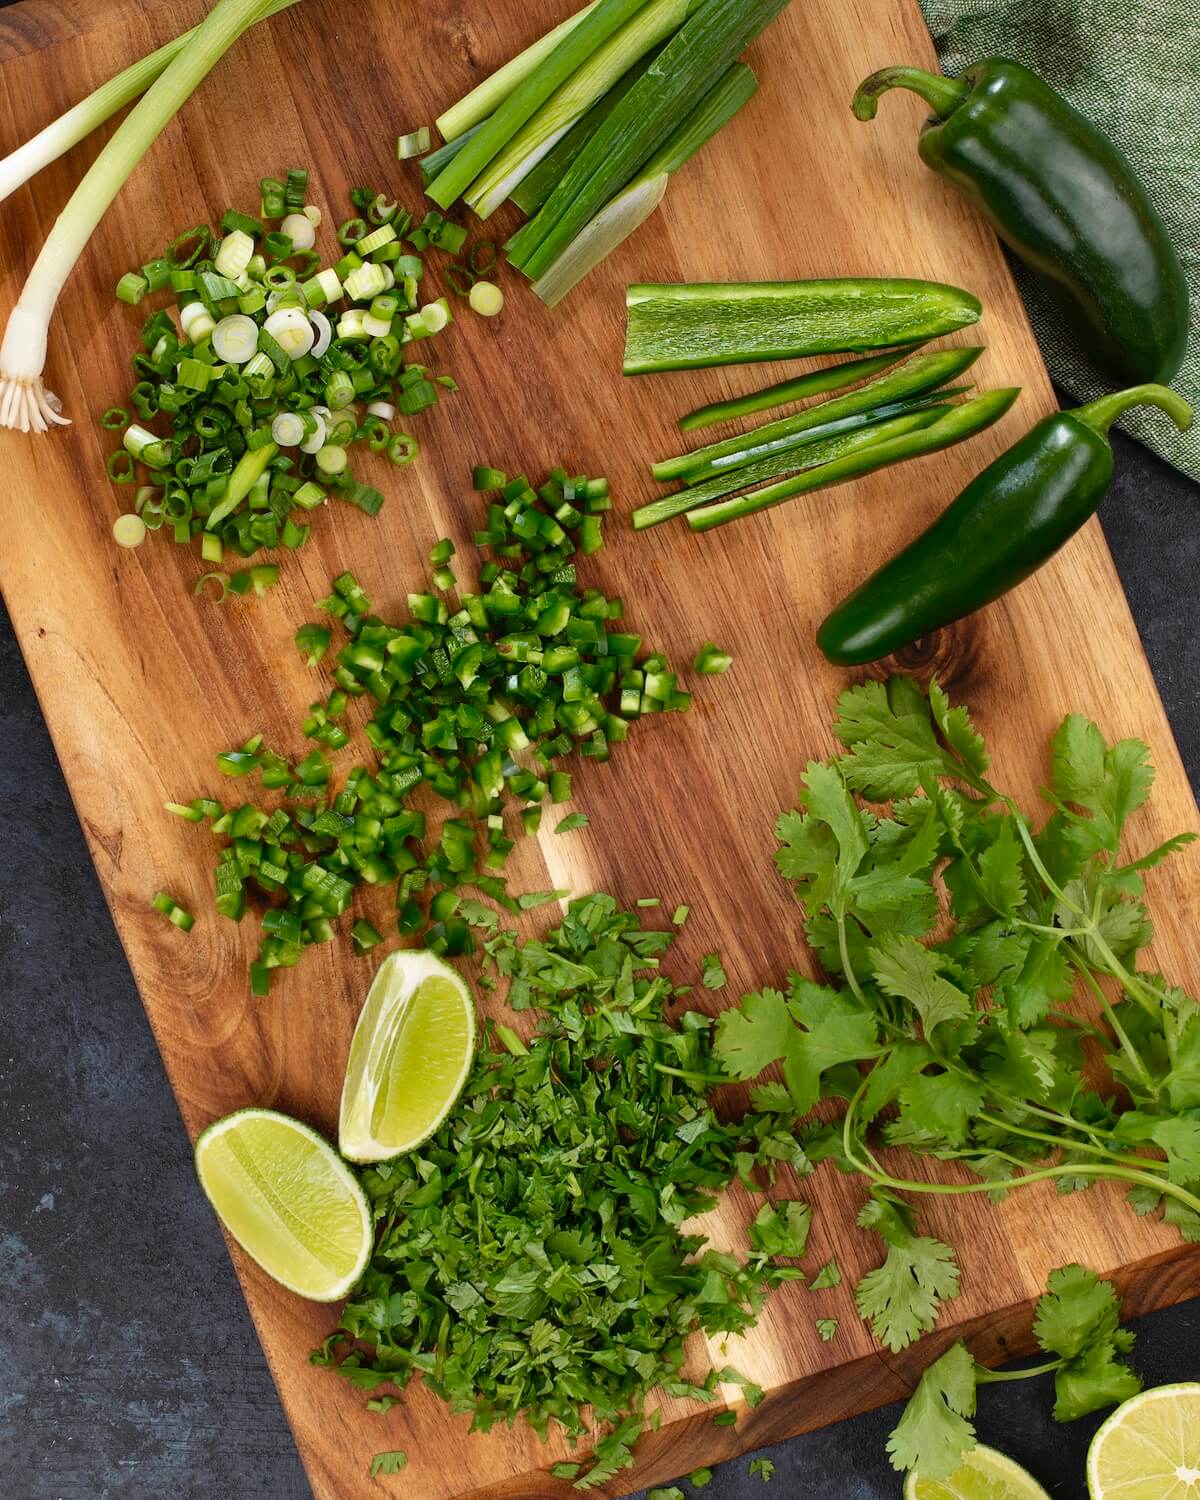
{"points": [[1097, 1378], [905, 969], [1045, 981], [755, 1034], [829, 1275], [763, 1467], [765, 1029], [942, 1105], [752, 1393], [958, 731], [1002, 883], [612, 1453], [893, 748], [1078, 1319], [389, 1463], [1109, 783], [829, 802], [712, 974], [900, 1299], [1077, 1309], [1183, 1042], [827, 1328], [782, 1230], [1180, 1139], [935, 1433]]}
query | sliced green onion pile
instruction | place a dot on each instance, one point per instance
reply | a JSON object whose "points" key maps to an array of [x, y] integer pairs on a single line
{"points": [[265, 368], [477, 699], [902, 413], [583, 129]]}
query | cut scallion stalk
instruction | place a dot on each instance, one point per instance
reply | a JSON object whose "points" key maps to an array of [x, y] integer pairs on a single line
{"points": [[533, 190], [474, 108], [652, 24], [571, 51], [415, 143], [696, 56], [618, 219]]}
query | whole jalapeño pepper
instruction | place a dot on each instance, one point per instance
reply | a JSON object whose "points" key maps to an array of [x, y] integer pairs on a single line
{"points": [[1006, 523], [1064, 198]]}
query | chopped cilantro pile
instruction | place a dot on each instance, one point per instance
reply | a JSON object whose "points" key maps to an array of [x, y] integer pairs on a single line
{"points": [[530, 1259]]}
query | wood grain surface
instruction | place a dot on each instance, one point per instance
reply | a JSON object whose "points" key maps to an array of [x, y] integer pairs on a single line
{"points": [[141, 684]]}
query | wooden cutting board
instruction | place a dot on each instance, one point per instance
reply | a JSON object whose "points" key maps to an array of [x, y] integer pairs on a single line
{"points": [[142, 684]]}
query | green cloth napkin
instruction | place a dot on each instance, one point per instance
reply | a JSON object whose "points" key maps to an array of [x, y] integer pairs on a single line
{"points": [[1133, 67]]}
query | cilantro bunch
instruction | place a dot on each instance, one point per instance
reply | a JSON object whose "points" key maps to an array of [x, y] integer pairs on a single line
{"points": [[530, 1258], [957, 939]]}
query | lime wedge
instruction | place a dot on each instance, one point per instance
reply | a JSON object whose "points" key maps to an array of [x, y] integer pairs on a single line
{"points": [[1149, 1449], [983, 1475], [288, 1199], [410, 1056]]}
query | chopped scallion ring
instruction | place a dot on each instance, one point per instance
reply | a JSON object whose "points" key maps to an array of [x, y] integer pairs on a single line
{"points": [[287, 430], [300, 229], [315, 441], [486, 299], [292, 331], [233, 254], [220, 579], [324, 333], [114, 419], [459, 278], [436, 315], [129, 530], [235, 339], [331, 459]]}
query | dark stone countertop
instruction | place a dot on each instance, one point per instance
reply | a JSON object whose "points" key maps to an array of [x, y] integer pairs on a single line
{"points": [[128, 1364]]}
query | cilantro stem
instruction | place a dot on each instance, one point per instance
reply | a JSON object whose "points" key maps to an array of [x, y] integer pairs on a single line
{"points": [[1110, 1015], [709, 1080], [847, 966], [1119, 1173], [1129, 982], [1042, 1174], [984, 1376], [1140, 1162]]}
